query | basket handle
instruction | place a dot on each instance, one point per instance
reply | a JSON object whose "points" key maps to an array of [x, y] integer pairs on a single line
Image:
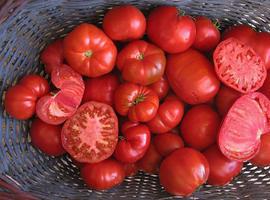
{"points": [[7, 7]]}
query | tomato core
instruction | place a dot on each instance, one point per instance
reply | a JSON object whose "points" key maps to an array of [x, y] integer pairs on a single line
{"points": [[138, 100], [88, 53], [140, 56]]}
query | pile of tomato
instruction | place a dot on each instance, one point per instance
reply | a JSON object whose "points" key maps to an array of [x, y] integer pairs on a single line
{"points": [[168, 95]]}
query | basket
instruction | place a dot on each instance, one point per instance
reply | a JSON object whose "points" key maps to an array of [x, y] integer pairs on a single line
{"points": [[25, 28]]}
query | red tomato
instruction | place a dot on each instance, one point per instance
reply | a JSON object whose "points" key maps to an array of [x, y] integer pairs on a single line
{"points": [[265, 89], [222, 170], [192, 77], [245, 122], [124, 23], [238, 66], [57, 108], [183, 171], [131, 169], [170, 30], [137, 102], [101, 89], [262, 158], [91, 134], [207, 34], [47, 138], [133, 145], [89, 51], [225, 98], [141, 62], [161, 87], [169, 115], [103, 175], [53, 55], [166, 143], [200, 127], [151, 160], [241, 32]]}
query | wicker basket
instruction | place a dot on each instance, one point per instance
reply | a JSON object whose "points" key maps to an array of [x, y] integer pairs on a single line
{"points": [[25, 28]]}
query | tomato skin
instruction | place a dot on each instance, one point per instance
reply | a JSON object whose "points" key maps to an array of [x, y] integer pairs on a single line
{"points": [[207, 34], [222, 169], [141, 62], [192, 77], [131, 169], [137, 102], [161, 87], [183, 171], [200, 127], [47, 138], [265, 89], [172, 32], [103, 175], [241, 32], [101, 89], [89, 51], [262, 158], [124, 23]]}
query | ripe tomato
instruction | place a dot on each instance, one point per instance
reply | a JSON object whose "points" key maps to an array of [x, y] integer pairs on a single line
{"points": [[103, 175], [161, 87], [262, 158], [170, 30], [141, 62], [192, 77], [133, 145], [183, 171], [207, 34], [200, 127], [245, 122], [57, 108], [222, 169], [166, 143], [101, 89], [91, 134], [47, 138], [124, 23], [131, 169], [241, 32], [169, 115], [265, 89], [53, 55], [89, 51], [238, 66], [137, 102]]}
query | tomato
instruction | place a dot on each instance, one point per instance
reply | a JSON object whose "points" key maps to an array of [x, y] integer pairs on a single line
{"points": [[245, 122], [238, 66], [183, 171], [151, 160], [161, 87], [47, 138], [166, 143], [265, 89], [241, 32], [170, 30], [169, 115], [192, 77], [262, 158], [222, 169], [91, 134], [207, 34], [101, 89], [53, 55], [89, 51], [103, 175], [131, 169], [124, 23], [137, 102], [225, 98], [200, 127], [57, 108], [141, 62], [133, 145]]}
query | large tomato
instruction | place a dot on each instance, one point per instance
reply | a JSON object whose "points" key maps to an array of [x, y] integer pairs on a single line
{"points": [[124, 23], [103, 175], [137, 102], [91, 134], [161, 87], [89, 51], [47, 138], [183, 171], [192, 77], [222, 169], [262, 158], [170, 30], [141, 62]]}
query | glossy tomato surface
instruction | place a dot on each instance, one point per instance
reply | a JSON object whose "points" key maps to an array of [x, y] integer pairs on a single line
{"points": [[262, 158], [161, 87]]}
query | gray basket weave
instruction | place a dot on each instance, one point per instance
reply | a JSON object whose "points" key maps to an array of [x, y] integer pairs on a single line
{"points": [[25, 28]]}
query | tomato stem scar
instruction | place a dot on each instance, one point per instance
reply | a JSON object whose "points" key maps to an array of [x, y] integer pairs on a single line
{"points": [[88, 53]]}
